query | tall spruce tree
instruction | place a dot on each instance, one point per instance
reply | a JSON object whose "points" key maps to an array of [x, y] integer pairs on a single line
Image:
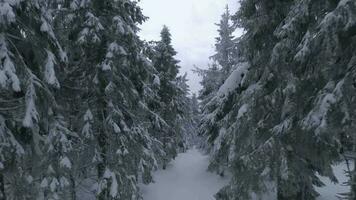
{"points": [[80, 119], [276, 121], [162, 56], [30, 59], [224, 45], [194, 117], [222, 61], [113, 78], [211, 81], [187, 114]]}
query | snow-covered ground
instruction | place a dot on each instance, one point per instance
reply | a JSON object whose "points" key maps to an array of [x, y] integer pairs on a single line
{"points": [[185, 178], [331, 190]]}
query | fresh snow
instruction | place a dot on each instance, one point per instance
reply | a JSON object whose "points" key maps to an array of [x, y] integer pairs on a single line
{"points": [[156, 80], [7, 67], [65, 162], [113, 186], [31, 115], [331, 190], [185, 178], [7, 14], [50, 74], [46, 28], [234, 80], [243, 109]]}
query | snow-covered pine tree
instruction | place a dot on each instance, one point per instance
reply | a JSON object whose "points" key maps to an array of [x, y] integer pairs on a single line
{"points": [[164, 61], [80, 90], [326, 81], [65, 120], [187, 114], [277, 119], [30, 57], [222, 61], [224, 46], [194, 118], [99, 46], [162, 55], [211, 81], [113, 82]]}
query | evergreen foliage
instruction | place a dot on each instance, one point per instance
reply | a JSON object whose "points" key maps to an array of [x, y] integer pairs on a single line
{"points": [[225, 45], [77, 89], [172, 101], [277, 120], [88, 110]]}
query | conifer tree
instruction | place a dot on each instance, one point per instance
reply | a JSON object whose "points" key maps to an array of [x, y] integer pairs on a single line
{"points": [[168, 92], [222, 61], [195, 115], [259, 127], [222, 65], [211, 81], [224, 45], [187, 114], [30, 59], [113, 77], [81, 118]]}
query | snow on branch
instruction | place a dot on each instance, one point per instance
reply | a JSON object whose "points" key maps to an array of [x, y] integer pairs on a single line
{"points": [[234, 80], [49, 73], [7, 68]]}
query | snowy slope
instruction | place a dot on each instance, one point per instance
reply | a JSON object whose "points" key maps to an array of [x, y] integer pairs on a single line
{"points": [[185, 178]]}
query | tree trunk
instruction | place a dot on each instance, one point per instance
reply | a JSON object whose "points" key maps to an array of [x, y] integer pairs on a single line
{"points": [[298, 196], [73, 186], [353, 183], [353, 175], [102, 141], [2, 187], [102, 165], [281, 194]]}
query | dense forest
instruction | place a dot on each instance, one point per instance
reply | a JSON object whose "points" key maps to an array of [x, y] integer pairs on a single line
{"points": [[85, 105], [279, 104], [90, 110]]}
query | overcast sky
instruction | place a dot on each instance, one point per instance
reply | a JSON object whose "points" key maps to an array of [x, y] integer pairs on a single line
{"points": [[192, 25]]}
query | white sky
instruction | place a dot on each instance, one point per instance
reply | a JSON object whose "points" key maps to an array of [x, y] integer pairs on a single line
{"points": [[193, 29]]}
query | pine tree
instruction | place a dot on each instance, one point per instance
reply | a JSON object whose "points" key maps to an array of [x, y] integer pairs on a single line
{"points": [[162, 56], [187, 114], [259, 127], [30, 57], [222, 61], [224, 45], [211, 81], [195, 115], [113, 78], [66, 119]]}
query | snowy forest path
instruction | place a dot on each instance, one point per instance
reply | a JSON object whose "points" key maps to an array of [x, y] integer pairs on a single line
{"points": [[187, 178]]}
